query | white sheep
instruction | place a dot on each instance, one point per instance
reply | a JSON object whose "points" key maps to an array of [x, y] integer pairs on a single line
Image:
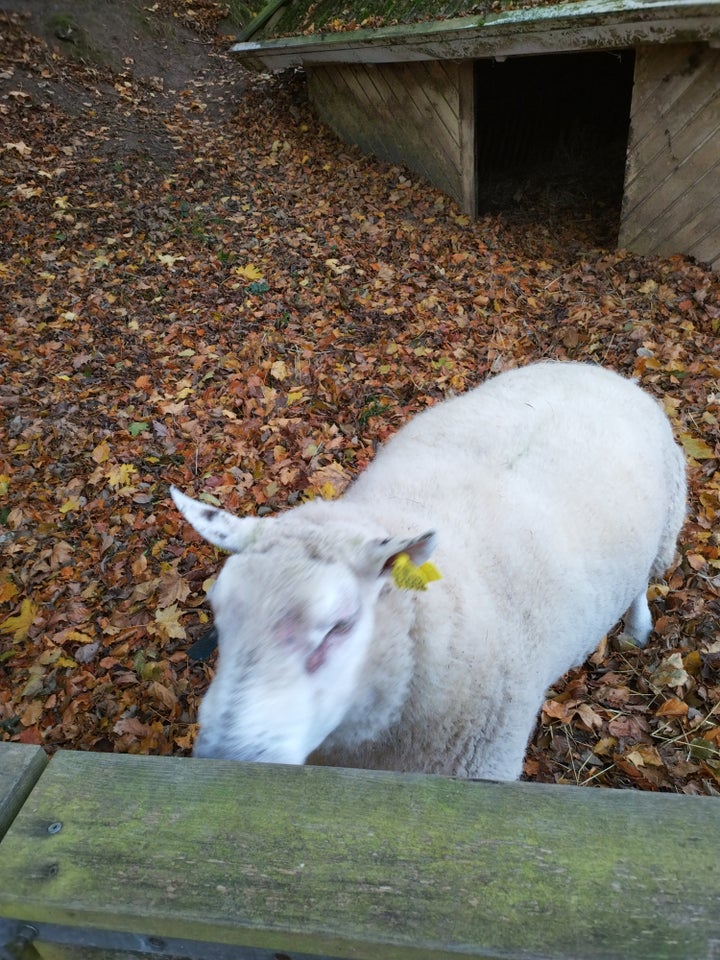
{"points": [[552, 492]]}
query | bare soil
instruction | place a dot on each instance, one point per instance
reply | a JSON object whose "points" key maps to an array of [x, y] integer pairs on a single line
{"points": [[172, 65]]}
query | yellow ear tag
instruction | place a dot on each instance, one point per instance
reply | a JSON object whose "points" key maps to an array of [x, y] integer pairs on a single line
{"points": [[409, 577]]}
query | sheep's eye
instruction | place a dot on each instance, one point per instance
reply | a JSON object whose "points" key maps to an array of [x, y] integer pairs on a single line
{"points": [[332, 637], [343, 626]]}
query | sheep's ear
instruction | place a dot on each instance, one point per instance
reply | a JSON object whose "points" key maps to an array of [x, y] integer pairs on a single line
{"points": [[217, 526], [380, 555]]}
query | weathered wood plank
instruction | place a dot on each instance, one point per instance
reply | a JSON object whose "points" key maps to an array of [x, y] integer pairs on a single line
{"points": [[436, 82], [349, 101], [563, 27], [395, 114], [263, 18], [333, 89], [63, 951], [700, 232], [363, 864], [48, 945], [675, 112], [658, 82], [413, 133], [468, 137], [20, 768], [434, 97], [672, 175], [677, 105], [707, 247], [404, 113]]}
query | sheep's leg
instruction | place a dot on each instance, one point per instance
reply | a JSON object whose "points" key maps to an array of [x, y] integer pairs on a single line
{"points": [[500, 753], [637, 621]]}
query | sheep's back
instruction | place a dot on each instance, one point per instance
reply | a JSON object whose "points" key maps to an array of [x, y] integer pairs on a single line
{"points": [[547, 425], [553, 488]]}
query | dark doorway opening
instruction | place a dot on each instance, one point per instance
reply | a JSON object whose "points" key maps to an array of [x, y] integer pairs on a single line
{"points": [[552, 133]]}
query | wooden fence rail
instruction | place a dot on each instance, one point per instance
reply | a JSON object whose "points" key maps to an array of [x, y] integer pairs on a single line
{"points": [[114, 857]]}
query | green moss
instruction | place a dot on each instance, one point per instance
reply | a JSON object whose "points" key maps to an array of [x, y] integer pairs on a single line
{"points": [[357, 863], [300, 17], [65, 27], [239, 14]]}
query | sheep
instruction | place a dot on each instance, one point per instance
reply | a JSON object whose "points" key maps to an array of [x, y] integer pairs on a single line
{"points": [[547, 496]]}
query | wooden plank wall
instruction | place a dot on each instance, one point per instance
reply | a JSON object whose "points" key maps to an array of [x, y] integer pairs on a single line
{"points": [[672, 178], [418, 114]]}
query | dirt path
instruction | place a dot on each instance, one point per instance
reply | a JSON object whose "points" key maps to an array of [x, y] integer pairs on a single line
{"points": [[94, 60]]}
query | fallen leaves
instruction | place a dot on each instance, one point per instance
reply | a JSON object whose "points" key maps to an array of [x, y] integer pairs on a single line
{"points": [[670, 672], [167, 623], [18, 626], [247, 318], [652, 723], [672, 708], [696, 448]]}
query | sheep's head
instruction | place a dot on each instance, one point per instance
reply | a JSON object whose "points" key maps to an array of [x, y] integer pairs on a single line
{"points": [[294, 610]]}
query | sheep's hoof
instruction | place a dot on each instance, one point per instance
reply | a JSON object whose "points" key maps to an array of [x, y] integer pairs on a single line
{"points": [[625, 643]]}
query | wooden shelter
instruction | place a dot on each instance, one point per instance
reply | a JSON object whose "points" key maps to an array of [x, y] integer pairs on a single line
{"points": [[443, 96]]}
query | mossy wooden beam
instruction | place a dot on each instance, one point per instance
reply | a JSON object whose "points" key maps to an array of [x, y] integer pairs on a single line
{"points": [[360, 864], [564, 27], [262, 19], [20, 767]]}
